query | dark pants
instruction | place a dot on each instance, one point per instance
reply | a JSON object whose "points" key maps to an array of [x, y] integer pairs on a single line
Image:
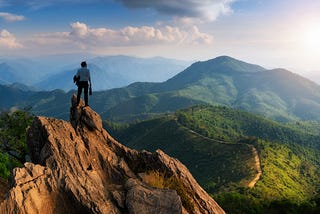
{"points": [[83, 85]]}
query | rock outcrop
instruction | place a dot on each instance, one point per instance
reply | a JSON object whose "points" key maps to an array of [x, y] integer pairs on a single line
{"points": [[78, 167]]}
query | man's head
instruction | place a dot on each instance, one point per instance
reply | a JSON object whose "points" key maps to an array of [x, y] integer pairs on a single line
{"points": [[83, 64]]}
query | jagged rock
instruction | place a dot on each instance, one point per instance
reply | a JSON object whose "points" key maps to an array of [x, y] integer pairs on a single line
{"points": [[78, 167], [142, 199]]}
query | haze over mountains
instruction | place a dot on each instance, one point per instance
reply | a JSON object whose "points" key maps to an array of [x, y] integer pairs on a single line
{"points": [[277, 93], [55, 72]]}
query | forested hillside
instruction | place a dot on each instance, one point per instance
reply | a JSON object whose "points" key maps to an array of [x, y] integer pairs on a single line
{"points": [[216, 145]]}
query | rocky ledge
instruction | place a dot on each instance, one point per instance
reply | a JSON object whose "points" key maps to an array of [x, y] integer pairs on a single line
{"points": [[78, 167]]}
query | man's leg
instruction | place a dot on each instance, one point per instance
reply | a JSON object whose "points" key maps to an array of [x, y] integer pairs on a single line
{"points": [[86, 86], [79, 93]]}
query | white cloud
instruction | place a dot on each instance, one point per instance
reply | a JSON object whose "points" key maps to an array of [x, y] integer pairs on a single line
{"points": [[11, 17], [200, 38], [85, 37], [8, 40], [132, 36], [205, 10], [144, 41]]}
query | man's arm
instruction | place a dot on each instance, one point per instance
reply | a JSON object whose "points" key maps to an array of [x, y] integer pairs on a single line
{"points": [[89, 78]]}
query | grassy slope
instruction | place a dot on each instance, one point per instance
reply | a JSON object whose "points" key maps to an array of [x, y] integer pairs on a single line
{"points": [[289, 157], [232, 163]]}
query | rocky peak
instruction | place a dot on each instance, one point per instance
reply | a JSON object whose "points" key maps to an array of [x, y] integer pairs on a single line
{"points": [[77, 167]]}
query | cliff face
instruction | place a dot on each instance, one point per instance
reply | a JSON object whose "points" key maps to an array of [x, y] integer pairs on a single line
{"points": [[78, 167]]}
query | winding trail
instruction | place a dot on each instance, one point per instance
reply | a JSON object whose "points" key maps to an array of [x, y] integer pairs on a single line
{"points": [[257, 164]]}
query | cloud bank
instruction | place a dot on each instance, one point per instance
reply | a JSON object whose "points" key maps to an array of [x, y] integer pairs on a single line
{"points": [[83, 36], [8, 40], [132, 36]]}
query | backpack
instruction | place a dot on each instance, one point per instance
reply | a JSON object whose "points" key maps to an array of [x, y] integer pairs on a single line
{"points": [[76, 79]]}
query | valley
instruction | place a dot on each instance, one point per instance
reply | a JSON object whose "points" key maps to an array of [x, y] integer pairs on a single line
{"points": [[247, 134], [231, 151]]}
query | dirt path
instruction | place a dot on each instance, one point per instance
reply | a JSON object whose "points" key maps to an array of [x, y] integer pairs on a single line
{"points": [[257, 166]]}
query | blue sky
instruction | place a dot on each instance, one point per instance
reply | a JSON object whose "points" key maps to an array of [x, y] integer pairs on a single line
{"points": [[272, 33]]}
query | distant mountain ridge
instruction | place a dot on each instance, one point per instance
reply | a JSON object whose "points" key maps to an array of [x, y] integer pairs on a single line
{"points": [[106, 71], [7, 73], [22, 70], [277, 93]]}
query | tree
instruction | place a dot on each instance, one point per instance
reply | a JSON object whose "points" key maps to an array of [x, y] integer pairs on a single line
{"points": [[13, 134]]}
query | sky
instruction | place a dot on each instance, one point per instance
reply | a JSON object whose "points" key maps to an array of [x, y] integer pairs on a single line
{"points": [[271, 33]]}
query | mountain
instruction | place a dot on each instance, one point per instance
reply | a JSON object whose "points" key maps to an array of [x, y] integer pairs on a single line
{"points": [[238, 157], [56, 72], [222, 65], [116, 71], [132, 69], [103, 177], [12, 97], [22, 70], [22, 87], [278, 94], [7, 73]]}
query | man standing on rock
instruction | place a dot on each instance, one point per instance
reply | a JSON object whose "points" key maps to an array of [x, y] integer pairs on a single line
{"points": [[83, 82]]}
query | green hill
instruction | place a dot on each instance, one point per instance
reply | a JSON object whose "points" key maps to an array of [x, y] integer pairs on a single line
{"points": [[223, 65], [216, 145], [278, 94], [214, 164]]}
